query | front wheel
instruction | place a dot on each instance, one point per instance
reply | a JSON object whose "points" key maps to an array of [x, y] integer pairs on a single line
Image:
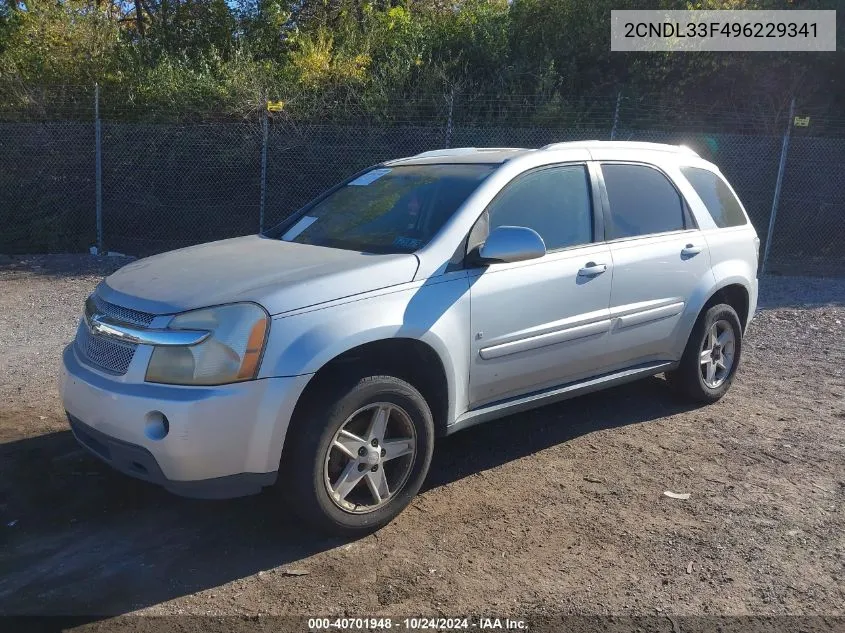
{"points": [[359, 454], [711, 357]]}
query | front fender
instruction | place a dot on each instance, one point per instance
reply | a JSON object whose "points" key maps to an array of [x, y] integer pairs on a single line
{"points": [[435, 312]]}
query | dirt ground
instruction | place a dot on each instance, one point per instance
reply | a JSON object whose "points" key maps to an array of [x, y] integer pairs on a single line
{"points": [[558, 510]]}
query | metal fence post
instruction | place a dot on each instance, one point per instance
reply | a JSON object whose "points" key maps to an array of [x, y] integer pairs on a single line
{"points": [[98, 168], [264, 126], [776, 199], [616, 116], [449, 119]]}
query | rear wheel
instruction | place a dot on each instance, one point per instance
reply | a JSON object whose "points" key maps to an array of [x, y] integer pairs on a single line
{"points": [[711, 357], [358, 454]]}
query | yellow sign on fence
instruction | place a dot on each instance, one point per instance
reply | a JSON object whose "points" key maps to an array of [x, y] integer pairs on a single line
{"points": [[275, 106], [802, 121]]}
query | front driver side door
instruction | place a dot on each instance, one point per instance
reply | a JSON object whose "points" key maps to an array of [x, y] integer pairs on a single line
{"points": [[540, 323]]}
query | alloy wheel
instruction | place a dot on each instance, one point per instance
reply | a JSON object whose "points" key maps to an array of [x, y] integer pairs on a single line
{"points": [[717, 354], [370, 457]]}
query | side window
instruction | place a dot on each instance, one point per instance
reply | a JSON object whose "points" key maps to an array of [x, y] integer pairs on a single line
{"points": [[642, 201], [714, 193], [555, 202]]}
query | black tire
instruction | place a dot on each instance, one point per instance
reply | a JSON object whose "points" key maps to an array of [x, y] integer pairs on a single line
{"points": [[303, 471], [688, 379]]}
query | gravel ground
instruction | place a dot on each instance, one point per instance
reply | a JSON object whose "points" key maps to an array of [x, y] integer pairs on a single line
{"points": [[560, 510]]}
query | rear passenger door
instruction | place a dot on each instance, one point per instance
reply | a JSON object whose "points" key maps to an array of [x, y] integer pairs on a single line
{"points": [[659, 259]]}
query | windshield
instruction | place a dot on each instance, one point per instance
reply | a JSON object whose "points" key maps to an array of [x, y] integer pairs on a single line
{"points": [[387, 210]]}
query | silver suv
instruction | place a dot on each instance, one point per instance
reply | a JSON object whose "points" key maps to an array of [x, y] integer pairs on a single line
{"points": [[418, 298]]}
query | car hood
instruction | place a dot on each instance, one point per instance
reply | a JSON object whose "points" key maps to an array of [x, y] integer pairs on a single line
{"points": [[281, 276]]}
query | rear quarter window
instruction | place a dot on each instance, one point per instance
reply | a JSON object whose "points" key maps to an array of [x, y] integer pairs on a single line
{"points": [[716, 196]]}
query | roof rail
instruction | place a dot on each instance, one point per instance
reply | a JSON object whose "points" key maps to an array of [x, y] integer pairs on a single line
{"points": [[460, 151], [570, 144], [654, 147]]}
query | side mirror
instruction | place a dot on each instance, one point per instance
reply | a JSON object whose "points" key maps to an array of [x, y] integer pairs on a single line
{"points": [[507, 244]]}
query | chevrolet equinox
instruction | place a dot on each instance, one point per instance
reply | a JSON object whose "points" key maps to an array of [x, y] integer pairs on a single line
{"points": [[417, 298]]}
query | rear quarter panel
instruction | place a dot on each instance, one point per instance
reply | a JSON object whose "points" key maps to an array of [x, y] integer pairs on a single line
{"points": [[733, 252]]}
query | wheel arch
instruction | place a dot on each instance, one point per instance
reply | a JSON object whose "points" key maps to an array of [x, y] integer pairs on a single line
{"points": [[410, 359], [736, 284], [735, 293], [735, 290]]}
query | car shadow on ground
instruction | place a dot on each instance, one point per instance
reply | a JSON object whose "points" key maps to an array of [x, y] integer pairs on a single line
{"points": [[79, 538]]}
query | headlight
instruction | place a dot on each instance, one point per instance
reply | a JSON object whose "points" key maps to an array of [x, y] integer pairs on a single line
{"points": [[231, 354]]}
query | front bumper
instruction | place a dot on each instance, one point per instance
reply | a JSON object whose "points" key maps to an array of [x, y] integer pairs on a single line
{"points": [[222, 441], [138, 462]]}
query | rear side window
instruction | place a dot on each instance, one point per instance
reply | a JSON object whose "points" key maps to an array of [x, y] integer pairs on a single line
{"points": [[642, 201], [714, 193], [554, 201]]}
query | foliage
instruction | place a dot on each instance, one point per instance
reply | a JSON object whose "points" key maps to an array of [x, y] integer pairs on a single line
{"points": [[341, 58]]}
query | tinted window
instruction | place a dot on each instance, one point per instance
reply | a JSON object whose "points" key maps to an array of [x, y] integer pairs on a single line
{"points": [[555, 202], [714, 193], [386, 210], [642, 201]]}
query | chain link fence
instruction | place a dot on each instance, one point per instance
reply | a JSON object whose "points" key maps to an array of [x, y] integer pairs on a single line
{"points": [[809, 232], [305, 160], [47, 187], [164, 185]]}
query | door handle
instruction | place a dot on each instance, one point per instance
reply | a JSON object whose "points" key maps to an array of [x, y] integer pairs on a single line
{"points": [[592, 269], [690, 249]]}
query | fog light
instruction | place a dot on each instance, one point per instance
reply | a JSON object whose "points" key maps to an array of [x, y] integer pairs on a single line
{"points": [[156, 427]]}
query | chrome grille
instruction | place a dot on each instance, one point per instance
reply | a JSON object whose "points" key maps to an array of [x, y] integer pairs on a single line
{"points": [[104, 353], [119, 313]]}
